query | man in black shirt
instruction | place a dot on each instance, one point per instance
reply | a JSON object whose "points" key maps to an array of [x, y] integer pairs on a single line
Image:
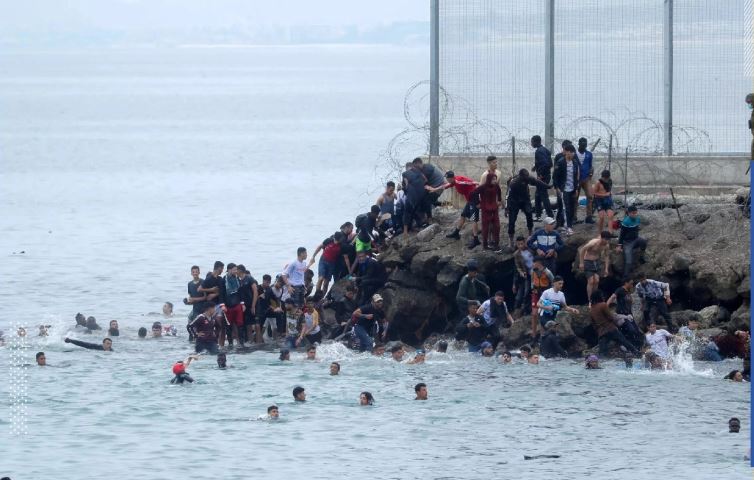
{"points": [[519, 201], [542, 167], [213, 285], [365, 319], [249, 292], [195, 297], [414, 183], [472, 328], [624, 312]]}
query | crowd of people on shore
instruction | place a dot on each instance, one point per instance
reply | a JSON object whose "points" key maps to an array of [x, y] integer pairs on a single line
{"points": [[233, 310]]}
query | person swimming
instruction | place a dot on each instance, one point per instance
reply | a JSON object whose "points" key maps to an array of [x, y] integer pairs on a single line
{"points": [[442, 346], [592, 362], [420, 356], [272, 414], [366, 399], [142, 332], [222, 361], [285, 355], [179, 370]]}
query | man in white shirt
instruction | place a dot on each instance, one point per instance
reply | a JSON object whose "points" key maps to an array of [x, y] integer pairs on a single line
{"points": [[658, 340], [293, 276], [552, 301]]}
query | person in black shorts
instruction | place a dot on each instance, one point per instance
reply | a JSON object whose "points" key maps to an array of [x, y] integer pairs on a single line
{"points": [[204, 329]]}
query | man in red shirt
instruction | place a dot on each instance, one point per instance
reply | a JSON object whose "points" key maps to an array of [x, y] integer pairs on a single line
{"points": [[331, 250], [464, 186]]}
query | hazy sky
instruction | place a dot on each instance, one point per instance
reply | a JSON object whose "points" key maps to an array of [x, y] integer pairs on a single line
{"points": [[71, 15]]}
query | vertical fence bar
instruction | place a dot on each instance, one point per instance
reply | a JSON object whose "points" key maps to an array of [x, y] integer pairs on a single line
{"points": [[434, 78], [667, 42], [513, 152], [549, 73]]}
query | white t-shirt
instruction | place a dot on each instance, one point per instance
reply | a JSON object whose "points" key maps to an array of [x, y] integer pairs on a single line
{"points": [[295, 271], [658, 342], [555, 298]]}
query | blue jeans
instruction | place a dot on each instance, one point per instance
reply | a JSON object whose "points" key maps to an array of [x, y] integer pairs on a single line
{"points": [[712, 355], [628, 254], [365, 340]]}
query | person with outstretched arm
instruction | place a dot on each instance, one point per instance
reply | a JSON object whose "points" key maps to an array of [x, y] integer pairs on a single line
{"points": [[107, 344]]}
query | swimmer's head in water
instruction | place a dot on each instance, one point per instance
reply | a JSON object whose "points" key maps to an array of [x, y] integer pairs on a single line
{"points": [[378, 350], [525, 351], [421, 391], [167, 309], [506, 357], [592, 361], [80, 319], [107, 344], [734, 425], [113, 324], [533, 359], [41, 359], [179, 368], [157, 329], [142, 332], [285, 354], [299, 394], [311, 353], [366, 398], [442, 347], [272, 411], [334, 368], [487, 349], [397, 352], [222, 360]]}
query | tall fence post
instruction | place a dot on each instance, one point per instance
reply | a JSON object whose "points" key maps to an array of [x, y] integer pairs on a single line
{"points": [[434, 78], [667, 42], [513, 152], [549, 73], [610, 153]]}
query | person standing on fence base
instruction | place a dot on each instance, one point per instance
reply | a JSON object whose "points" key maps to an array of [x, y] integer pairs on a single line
{"points": [[519, 201], [542, 168], [585, 178], [565, 178], [750, 102]]}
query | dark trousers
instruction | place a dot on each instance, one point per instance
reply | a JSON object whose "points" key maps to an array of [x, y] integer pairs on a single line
{"points": [[567, 202], [542, 199], [513, 209], [615, 336], [628, 254], [662, 311], [523, 295], [631, 331]]}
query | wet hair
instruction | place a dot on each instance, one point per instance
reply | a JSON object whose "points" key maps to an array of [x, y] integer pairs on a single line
{"points": [[283, 353], [266, 276], [536, 140], [419, 387], [40, 354], [390, 184], [378, 345], [80, 319], [339, 236], [557, 278], [396, 348], [311, 347], [370, 398], [443, 345], [491, 158], [195, 267], [142, 332], [731, 375], [506, 353], [107, 339], [597, 297], [300, 250], [297, 391], [218, 264], [170, 304], [336, 364], [271, 408], [526, 348]]}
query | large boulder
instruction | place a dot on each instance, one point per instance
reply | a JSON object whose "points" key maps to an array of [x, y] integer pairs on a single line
{"points": [[712, 316], [740, 319]]}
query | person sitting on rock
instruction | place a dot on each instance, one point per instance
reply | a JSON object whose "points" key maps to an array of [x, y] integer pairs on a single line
{"points": [[464, 186], [369, 275], [552, 301], [495, 313], [472, 327], [629, 239], [654, 294], [471, 287], [546, 243], [541, 280], [603, 322], [549, 345]]}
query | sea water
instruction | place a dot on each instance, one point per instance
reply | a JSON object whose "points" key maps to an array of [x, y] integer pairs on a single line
{"points": [[122, 168]]}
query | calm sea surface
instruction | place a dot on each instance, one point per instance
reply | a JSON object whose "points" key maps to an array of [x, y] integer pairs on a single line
{"points": [[119, 169]]}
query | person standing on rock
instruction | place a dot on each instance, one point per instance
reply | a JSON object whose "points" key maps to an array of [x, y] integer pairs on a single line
{"points": [[654, 294], [490, 201], [370, 276], [603, 322], [594, 258], [386, 202], [524, 261], [603, 199], [629, 239], [565, 179], [624, 313], [585, 177], [414, 183], [471, 287], [546, 243], [464, 186], [435, 181], [542, 168], [519, 201]]}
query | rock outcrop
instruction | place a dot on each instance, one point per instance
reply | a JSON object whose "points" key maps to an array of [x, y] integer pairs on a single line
{"points": [[701, 250]]}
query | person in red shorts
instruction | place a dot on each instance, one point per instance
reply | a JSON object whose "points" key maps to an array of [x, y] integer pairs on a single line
{"points": [[464, 186], [541, 280], [234, 307]]}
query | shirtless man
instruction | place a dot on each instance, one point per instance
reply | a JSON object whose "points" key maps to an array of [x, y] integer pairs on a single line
{"points": [[591, 254]]}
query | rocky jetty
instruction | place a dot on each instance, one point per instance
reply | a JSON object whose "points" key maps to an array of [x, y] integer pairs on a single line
{"points": [[702, 250]]}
